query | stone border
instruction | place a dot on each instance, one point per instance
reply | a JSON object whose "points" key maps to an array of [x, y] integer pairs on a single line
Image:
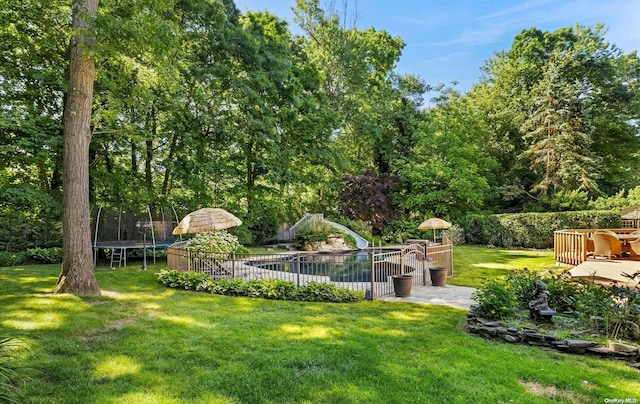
{"points": [[497, 331]]}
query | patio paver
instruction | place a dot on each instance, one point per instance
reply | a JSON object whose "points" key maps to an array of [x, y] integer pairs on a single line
{"points": [[449, 295]]}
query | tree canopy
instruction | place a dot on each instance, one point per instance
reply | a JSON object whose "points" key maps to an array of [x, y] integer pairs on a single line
{"points": [[198, 104]]}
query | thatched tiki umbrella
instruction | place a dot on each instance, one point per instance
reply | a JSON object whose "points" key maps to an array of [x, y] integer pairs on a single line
{"points": [[205, 220], [434, 223]]}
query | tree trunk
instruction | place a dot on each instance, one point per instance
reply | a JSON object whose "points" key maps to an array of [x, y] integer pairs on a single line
{"points": [[148, 172], [134, 158], [251, 177], [168, 172], [77, 267]]}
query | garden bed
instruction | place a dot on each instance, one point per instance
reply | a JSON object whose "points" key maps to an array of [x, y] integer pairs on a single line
{"points": [[532, 335]]}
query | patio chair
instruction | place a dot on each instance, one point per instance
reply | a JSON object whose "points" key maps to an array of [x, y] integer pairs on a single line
{"points": [[605, 244], [590, 247], [606, 231], [634, 247]]}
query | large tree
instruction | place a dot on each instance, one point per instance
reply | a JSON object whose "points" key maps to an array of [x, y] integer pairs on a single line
{"points": [[560, 145], [568, 93], [77, 267], [356, 68], [449, 172]]}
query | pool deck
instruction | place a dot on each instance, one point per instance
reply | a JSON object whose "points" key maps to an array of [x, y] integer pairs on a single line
{"points": [[449, 295]]}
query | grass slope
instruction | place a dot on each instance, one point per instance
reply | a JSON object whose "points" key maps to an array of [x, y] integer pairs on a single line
{"points": [[474, 265], [142, 343]]}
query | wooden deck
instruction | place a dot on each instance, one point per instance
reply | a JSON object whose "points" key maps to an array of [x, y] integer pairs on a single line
{"points": [[607, 271]]}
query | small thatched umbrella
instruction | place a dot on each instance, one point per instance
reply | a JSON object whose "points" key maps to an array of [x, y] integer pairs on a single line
{"points": [[206, 219], [434, 223]]}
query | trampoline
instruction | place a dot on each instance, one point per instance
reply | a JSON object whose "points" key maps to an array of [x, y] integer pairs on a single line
{"points": [[121, 230]]}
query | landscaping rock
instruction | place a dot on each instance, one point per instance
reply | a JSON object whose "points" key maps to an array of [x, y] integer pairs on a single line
{"points": [[602, 351], [496, 329], [533, 336], [490, 323], [618, 347], [510, 338], [537, 343], [578, 343], [489, 331], [501, 331]]}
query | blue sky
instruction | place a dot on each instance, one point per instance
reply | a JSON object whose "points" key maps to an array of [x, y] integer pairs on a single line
{"points": [[450, 40]]}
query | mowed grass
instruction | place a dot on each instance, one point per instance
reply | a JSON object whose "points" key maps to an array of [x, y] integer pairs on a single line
{"points": [[475, 265], [142, 343]]}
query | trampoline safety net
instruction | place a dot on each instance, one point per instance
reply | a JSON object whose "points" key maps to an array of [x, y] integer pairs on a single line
{"points": [[128, 229]]}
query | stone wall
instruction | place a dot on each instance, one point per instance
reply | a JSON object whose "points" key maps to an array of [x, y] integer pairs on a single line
{"points": [[496, 330]]}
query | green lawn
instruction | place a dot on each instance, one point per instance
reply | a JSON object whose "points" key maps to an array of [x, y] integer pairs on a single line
{"points": [[473, 266], [142, 343]]}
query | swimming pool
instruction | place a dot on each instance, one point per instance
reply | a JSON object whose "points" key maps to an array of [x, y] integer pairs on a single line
{"points": [[351, 266]]}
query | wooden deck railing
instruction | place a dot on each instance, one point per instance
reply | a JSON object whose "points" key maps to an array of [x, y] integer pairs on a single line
{"points": [[571, 246]]}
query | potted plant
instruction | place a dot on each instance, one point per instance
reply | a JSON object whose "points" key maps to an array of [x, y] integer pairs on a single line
{"points": [[438, 275], [402, 285]]}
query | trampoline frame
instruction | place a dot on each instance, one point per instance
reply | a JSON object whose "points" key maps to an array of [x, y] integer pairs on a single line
{"points": [[131, 244]]}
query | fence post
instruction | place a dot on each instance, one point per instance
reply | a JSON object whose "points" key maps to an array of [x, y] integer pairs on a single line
{"points": [[298, 270], [425, 263], [373, 273], [233, 264]]}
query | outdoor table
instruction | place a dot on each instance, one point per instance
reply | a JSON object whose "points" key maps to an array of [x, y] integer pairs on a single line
{"points": [[626, 238]]}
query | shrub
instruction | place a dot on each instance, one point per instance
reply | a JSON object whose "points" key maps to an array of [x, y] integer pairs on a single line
{"points": [[532, 230], [613, 311], [522, 284], [312, 232], [29, 218], [170, 278], [325, 292], [244, 234], [399, 230], [348, 238], [455, 235], [305, 237], [562, 289], [10, 259], [192, 280], [8, 369], [213, 242], [51, 255], [275, 289], [262, 221], [496, 300], [229, 287]]}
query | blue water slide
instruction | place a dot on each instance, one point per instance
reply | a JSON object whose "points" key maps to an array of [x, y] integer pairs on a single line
{"points": [[361, 242]]}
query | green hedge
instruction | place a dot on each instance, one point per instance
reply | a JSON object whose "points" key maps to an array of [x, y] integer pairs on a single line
{"points": [[51, 255], [275, 289], [532, 230]]}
